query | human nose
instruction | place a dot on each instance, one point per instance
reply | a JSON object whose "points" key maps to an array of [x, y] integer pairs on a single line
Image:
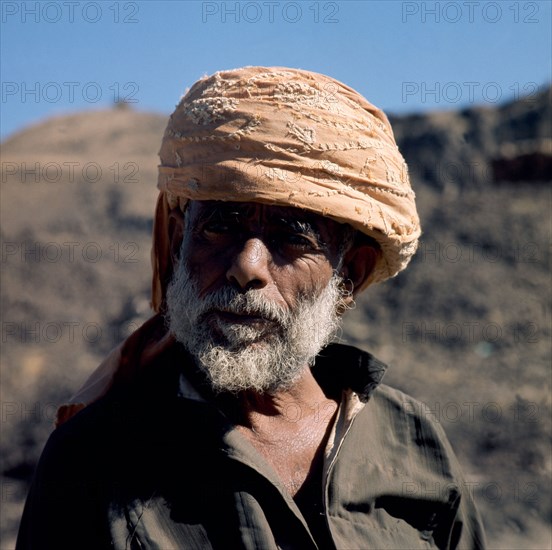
{"points": [[249, 269]]}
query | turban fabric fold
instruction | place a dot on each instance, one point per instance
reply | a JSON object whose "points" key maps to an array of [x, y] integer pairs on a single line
{"points": [[286, 137]]}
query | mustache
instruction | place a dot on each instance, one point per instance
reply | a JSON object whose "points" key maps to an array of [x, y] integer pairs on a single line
{"points": [[252, 302]]}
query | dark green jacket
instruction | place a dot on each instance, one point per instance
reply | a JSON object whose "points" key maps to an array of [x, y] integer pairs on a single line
{"points": [[157, 465]]}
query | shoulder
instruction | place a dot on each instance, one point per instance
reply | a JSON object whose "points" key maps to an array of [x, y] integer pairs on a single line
{"points": [[401, 404], [407, 435], [70, 485], [126, 408], [397, 443], [405, 409], [79, 449]]}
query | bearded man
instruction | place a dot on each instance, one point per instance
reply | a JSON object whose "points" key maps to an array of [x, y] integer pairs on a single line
{"points": [[229, 420]]}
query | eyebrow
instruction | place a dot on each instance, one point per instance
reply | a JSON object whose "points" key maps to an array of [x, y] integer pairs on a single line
{"points": [[219, 212], [223, 210], [299, 226], [304, 226]]}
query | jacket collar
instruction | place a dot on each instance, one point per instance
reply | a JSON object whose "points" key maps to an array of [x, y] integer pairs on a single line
{"points": [[346, 367]]}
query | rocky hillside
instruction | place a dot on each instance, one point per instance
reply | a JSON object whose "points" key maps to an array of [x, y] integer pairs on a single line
{"points": [[466, 328]]}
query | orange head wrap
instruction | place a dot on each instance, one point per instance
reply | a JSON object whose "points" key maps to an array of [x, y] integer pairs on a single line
{"points": [[286, 137]]}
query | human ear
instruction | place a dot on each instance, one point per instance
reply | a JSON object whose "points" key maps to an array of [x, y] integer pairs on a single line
{"points": [[176, 232], [358, 263]]}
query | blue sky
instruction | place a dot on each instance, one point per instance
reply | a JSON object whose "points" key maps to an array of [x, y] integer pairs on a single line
{"points": [[404, 56]]}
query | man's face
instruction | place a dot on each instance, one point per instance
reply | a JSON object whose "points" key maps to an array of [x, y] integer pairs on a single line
{"points": [[255, 295], [283, 251]]}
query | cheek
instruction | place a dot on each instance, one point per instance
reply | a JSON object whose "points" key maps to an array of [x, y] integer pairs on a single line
{"points": [[303, 276], [207, 269]]}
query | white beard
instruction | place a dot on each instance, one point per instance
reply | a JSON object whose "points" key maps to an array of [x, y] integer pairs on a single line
{"points": [[266, 356]]}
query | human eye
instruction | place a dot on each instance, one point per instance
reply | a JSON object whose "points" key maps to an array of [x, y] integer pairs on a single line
{"points": [[295, 236], [215, 228], [220, 226], [299, 240], [294, 241]]}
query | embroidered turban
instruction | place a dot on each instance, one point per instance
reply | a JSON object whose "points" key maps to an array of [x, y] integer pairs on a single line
{"points": [[286, 137]]}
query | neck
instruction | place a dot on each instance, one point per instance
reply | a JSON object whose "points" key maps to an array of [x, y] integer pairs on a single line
{"points": [[288, 409], [289, 428]]}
